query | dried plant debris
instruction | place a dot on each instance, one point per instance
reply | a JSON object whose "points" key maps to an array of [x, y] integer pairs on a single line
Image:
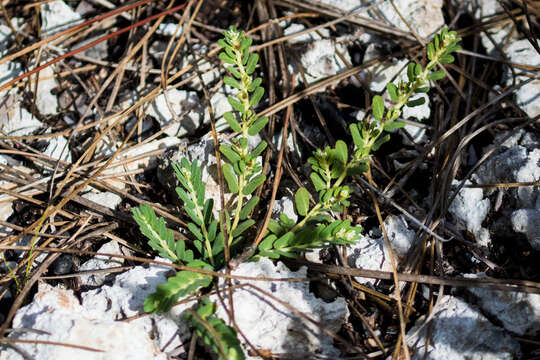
{"points": [[294, 179]]}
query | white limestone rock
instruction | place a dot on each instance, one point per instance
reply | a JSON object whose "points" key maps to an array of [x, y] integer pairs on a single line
{"points": [[46, 101], [470, 209], [372, 254], [319, 60], [527, 96], [296, 28], [57, 16], [105, 198], [101, 262], [518, 312], [180, 101], [459, 331], [58, 148], [60, 317], [414, 11], [527, 221], [494, 36], [15, 120], [270, 325], [125, 298]]}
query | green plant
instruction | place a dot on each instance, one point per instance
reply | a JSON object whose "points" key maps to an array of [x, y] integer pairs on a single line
{"points": [[317, 226], [331, 166]]}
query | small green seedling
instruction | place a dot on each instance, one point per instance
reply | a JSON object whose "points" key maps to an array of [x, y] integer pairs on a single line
{"points": [[318, 224]]}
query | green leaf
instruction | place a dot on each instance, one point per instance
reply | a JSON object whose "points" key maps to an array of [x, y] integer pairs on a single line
{"points": [[226, 58], [341, 152], [411, 75], [275, 227], [392, 91], [222, 43], [254, 84], [417, 70], [416, 102], [182, 284], [229, 153], [248, 207], [231, 120], [243, 226], [195, 231], [253, 184], [230, 176], [223, 339], [318, 183], [252, 63], [267, 243], [231, 82], [380, 141], [207, 211], [284, 240], [393, 125], [193, 215], [421, 90], [236, 105], [212, 230], [286, 222], [256, 96], [377, 106], [357, 139], [301, 200], [245, 43], [436, 75], [183, 195], [430, 51], [259, 149], [160, 237], [257, 125], [446, 59]]}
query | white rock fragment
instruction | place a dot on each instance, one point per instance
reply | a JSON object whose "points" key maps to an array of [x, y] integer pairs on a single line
{"points": [[493, 36], [377, 76], [417, 135], [400, 236], [285, 205], [125, 298], [527, 221], [208, 71], [105, 198], [6, 208], [180, 102], [57, 16], [319, 60], [470, 209], [415, 12], [58, 149], [296, 28], [5, 38], [518, 312], [270, 325], [459, 331], [59, 315], [527, 96], [169, 29], [517, 161], [372, 254], [46, 102], [101, 262]]}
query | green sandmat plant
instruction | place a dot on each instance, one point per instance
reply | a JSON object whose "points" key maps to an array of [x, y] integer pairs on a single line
{"points": [[318, 224]]}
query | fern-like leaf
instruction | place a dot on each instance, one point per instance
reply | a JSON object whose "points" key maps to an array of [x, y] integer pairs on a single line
{"points": [[222, 338], [183, 283]]}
